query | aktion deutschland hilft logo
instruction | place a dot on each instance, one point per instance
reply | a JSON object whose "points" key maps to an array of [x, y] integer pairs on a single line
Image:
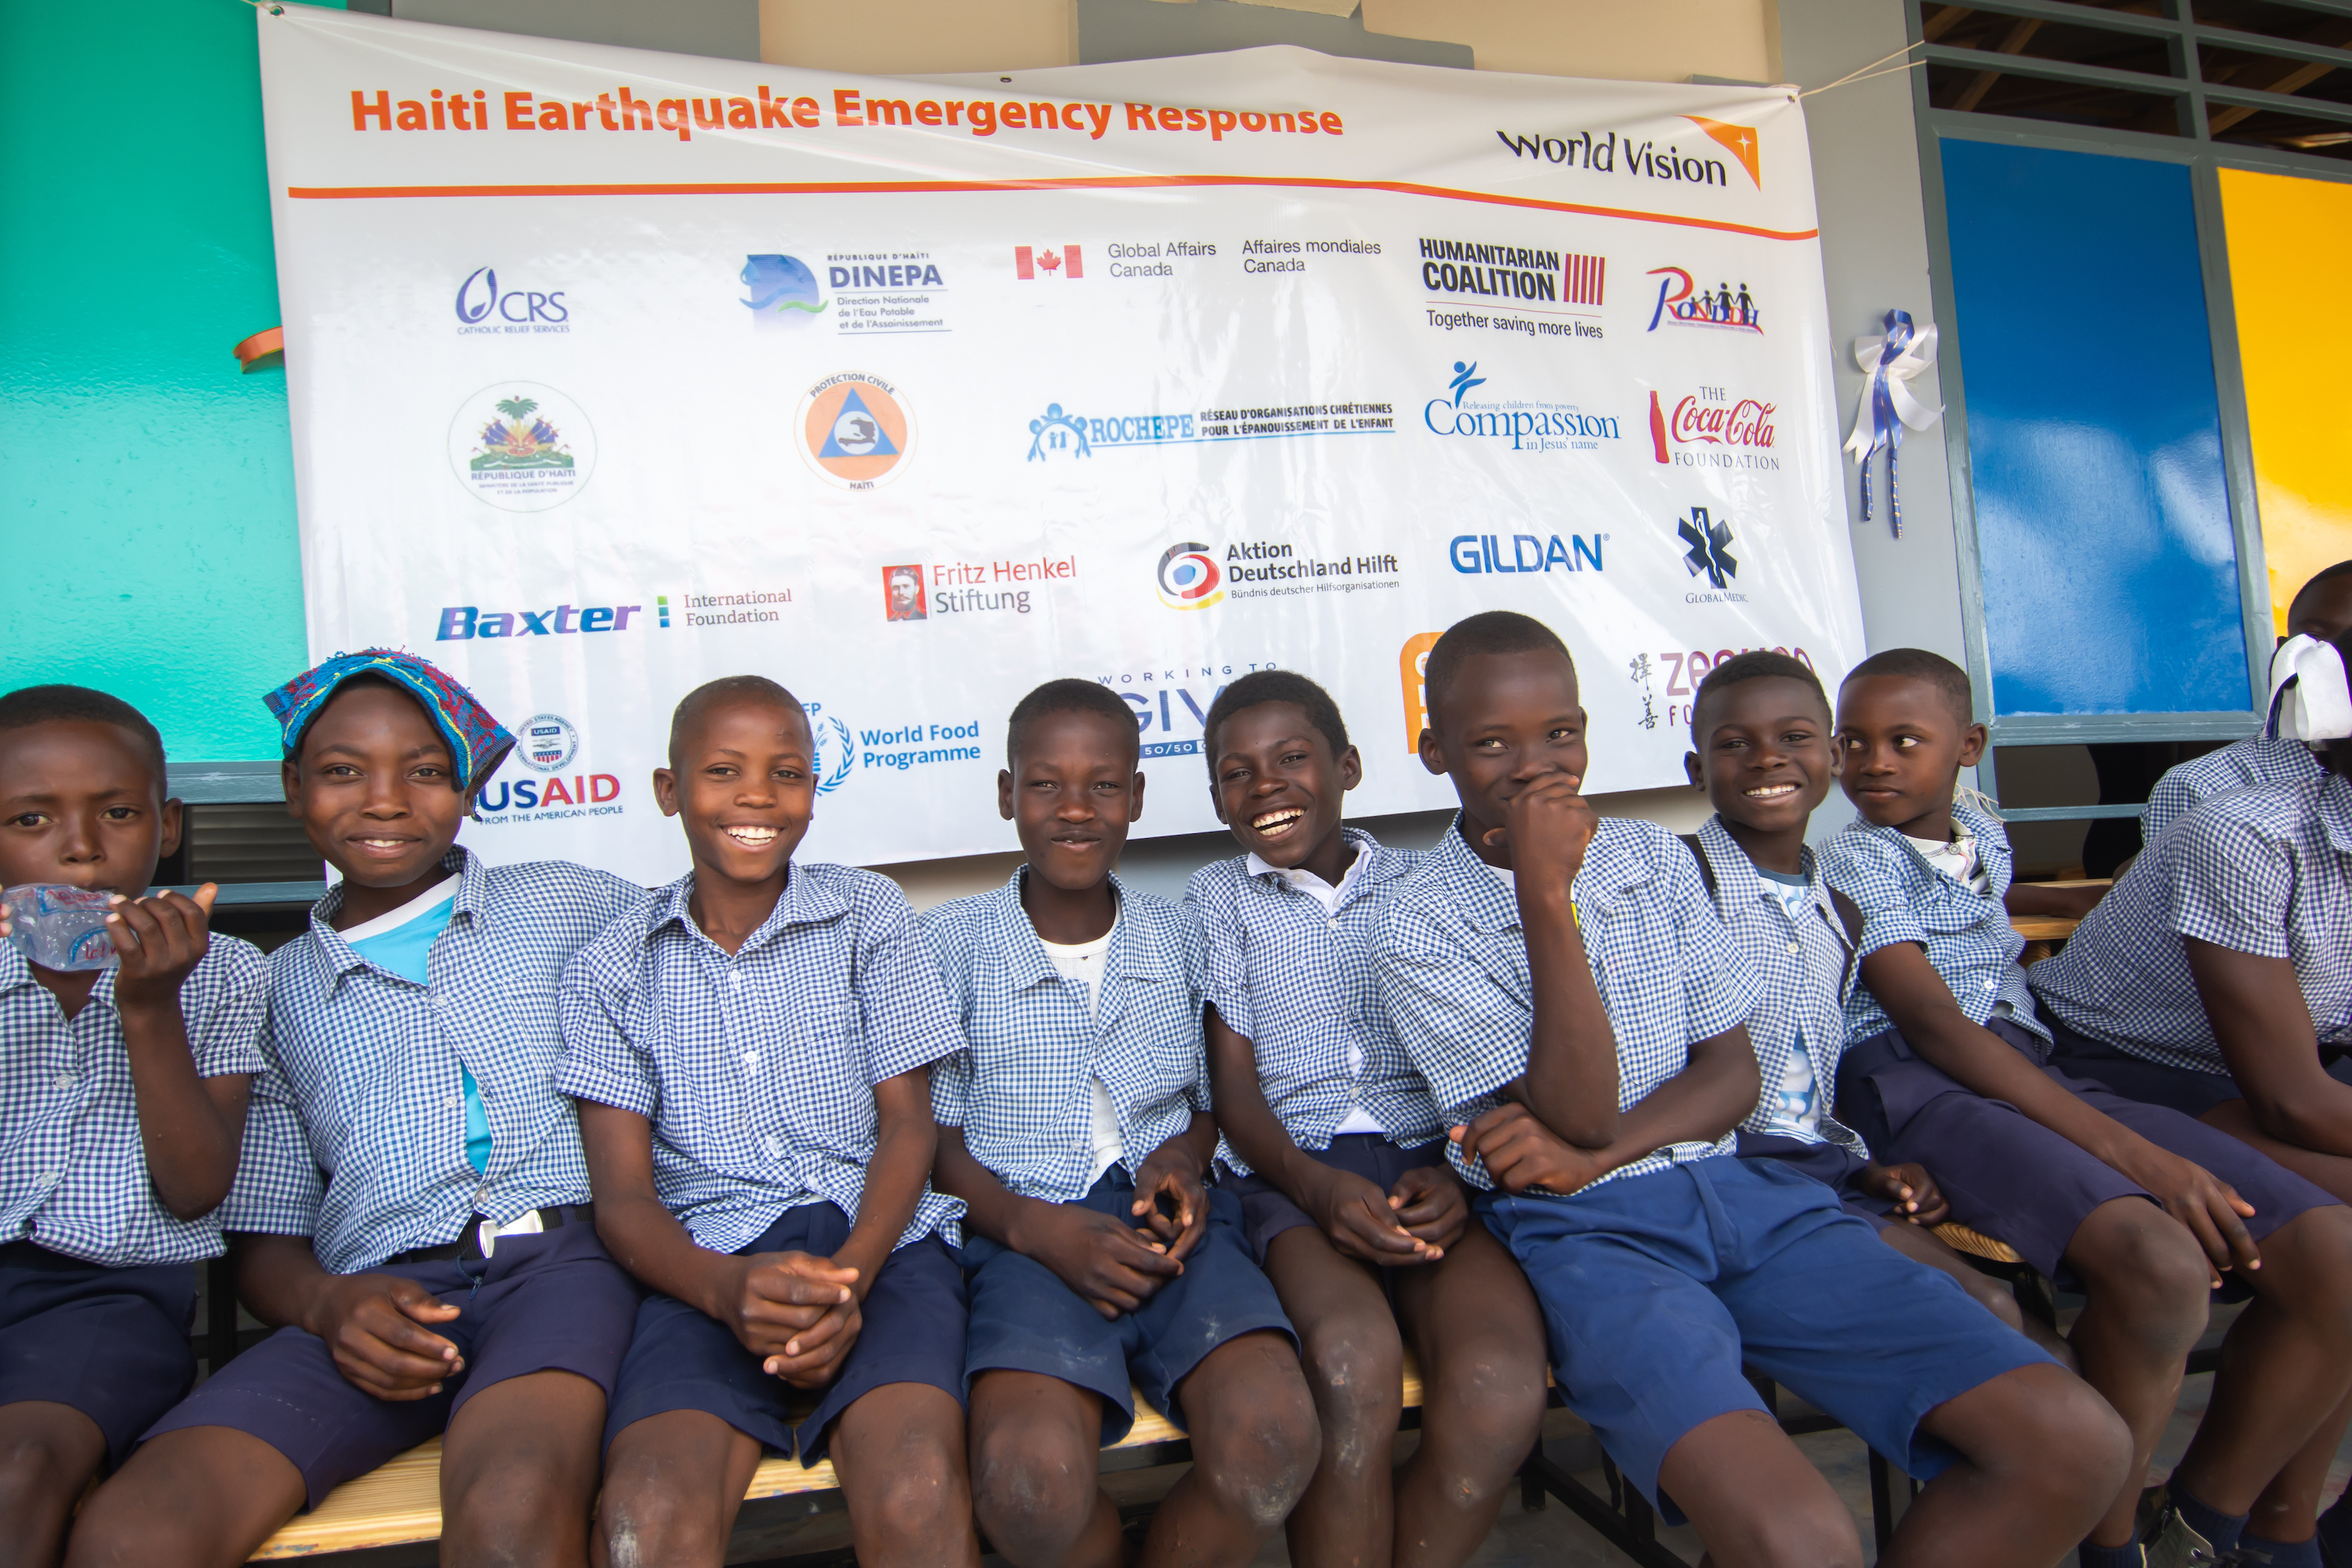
{"points": [[1189, 577]]}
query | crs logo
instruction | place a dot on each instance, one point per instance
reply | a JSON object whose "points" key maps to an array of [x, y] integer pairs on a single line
{"points": [[547, 743], [479, 299], [832, 755], [1189, 577]]}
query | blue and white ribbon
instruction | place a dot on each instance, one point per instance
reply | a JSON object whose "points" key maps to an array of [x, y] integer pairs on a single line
{"points": [[1887, 406]]}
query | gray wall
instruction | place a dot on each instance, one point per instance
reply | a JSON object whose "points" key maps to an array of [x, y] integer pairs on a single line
{"points": [[1153, 29], [727, 28]]}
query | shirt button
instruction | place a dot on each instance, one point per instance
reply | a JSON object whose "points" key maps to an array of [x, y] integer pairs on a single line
{"points": [[1992, 985], [773, 1145], [454, 1102], [65, 1081], [1796, 947]]}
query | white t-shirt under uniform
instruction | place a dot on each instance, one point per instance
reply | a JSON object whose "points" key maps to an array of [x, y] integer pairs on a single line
{"points": [[1083, 962], [1301, 879]]}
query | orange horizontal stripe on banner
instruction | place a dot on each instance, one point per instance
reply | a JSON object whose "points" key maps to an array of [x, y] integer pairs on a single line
{"points": [[1128, 182]]}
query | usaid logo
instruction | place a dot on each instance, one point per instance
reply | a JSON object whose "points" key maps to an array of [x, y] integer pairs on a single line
{"points": [[483, 307], [547, 743]]}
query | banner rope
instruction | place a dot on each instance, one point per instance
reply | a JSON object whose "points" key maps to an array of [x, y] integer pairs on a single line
{"points": [[1865, 73]]}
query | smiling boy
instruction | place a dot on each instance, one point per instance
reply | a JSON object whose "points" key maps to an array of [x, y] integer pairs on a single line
{"points": [[1566, 987], [2137, 1206], [413, 1203], [1338, 1154], [122, 1096], [1076, 1127], [751, 1055]]}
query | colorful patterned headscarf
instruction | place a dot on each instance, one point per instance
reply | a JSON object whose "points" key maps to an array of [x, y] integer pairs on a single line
{"points": [[478, 743]]}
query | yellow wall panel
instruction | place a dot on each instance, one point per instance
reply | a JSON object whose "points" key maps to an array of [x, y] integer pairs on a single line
{"points": [[2288, 241]]}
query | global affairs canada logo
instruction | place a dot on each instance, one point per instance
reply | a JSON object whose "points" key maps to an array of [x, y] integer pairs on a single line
{"points": [[1680, 303], [1189, 577], [484, 307], [1709, 551], [779, 291], [521, 446], [547, 743], [1528, 424], [856, 431], [1032, 262], [1712, 429]]}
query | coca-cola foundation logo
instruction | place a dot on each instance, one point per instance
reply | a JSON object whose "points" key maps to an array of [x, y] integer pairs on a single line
{"points": [[1710, 428]]}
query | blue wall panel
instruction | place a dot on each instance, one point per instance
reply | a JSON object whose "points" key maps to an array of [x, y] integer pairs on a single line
{"points": [[2095, 436]]}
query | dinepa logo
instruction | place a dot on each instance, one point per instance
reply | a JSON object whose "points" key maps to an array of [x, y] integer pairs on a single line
{"points": [[832, 750], [1682, 304], [855, 430], [783, 291], [1055, 431], [547, 743], [1710, 549], [1189, 577], [1030, 263], [483, 307]]}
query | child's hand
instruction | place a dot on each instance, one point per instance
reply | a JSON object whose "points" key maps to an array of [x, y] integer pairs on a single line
{"points": [[1915, 1197], [1113, 1265], [1172, 1169], [813, 1357], [2211, 1207], [1548, 826], [373, 1326], [1521, 1152], [1360, 1221], [1431, 1206], [159, 943], [780, 1298]]}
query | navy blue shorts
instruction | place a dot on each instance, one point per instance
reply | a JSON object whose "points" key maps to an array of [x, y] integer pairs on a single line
{"points": [[2185, 1090], [110, 1343], [2012, 1178], [1267, 1211], [1655, 1288], [1024, 1319], [1833, 1166], [552, 1302], [913, 1331]]}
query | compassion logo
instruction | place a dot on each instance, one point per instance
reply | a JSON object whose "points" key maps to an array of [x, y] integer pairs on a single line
{"points": [[1189, 577]]}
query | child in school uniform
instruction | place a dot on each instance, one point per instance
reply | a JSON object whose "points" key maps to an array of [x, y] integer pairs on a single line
{"points": [[122, 1097], [751, 1053], [1075, 1128], [1338, 1154], [2138, 1206], [1762, 725], [1574, 1002], [412, 1209], [2322, 611]]}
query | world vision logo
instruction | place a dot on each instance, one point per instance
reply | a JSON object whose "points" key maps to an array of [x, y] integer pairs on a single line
{"points": [[1612, 152], [856, 431]]}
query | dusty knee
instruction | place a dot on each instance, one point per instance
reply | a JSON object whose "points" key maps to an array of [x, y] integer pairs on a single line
{"points": [[922, 1493], [1030, 1495], [644, 1519], [1261, 1456], [1356, 1381], [1486, 1403]]}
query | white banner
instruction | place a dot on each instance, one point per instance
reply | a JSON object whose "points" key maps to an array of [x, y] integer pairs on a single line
{"points": [[614, 371]]}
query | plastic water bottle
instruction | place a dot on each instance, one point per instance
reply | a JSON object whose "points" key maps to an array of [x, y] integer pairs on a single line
{"points": [[62, 927]]}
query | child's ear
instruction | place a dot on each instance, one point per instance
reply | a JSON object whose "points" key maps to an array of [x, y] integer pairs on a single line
{"points": [[1005, 793], [168, 843], [1135, 798], [1432, 755], [1691, 768], [1351, 769], [665, 791], [290, 779], [1972, 745]]}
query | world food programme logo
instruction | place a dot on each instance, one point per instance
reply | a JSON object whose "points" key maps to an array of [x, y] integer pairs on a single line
{"points": [[783, 291], [854, 430], [521, 446], [1057, 432], [547, 743], [1189, 577], [830, 738], [1710, 548]]}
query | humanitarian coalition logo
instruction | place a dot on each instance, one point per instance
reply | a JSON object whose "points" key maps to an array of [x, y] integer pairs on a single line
{"points": [[1528, 424], [1680, 303], [547, 743], [1189, 577], [484, 307], [854, 430], [1709, 551], [521, 446], [781, 291]]}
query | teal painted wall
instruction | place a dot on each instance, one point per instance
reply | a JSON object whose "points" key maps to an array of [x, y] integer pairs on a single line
{"points": [[146, 486]]}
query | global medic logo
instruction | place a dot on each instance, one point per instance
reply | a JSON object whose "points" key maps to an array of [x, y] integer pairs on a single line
{"points": [[1710, 552], [854, 430], [521, 446]]}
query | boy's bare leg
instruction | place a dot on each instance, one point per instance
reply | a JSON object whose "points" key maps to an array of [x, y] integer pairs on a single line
{"points": [[1479, 1336], [201, 1497], [900, 1453], [2040, 1456], [1254, 1449], [48, 1452], [518, 1469], [1921, 1247], [1755, 1500], [1034, 1447], [1354, 1363], [673, 1485]]}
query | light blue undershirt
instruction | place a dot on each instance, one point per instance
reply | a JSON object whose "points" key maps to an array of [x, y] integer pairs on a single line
{"points": [[405, 951], [1797, 1109]]}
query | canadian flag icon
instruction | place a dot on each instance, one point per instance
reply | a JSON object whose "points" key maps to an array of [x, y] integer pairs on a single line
{"points": [[1030, 264]]}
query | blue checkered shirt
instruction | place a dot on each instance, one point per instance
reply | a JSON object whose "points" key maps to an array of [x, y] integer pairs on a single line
{"points": [[73, 1169], [1966, 933], [1806, 969], [1299, 985], [1453, 966], [2258, 760], [2266, 870], [357, 1135], [757, 1069], [1019, 1089]]}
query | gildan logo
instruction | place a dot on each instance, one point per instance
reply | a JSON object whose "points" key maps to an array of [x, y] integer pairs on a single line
{"points": [[482, 307], [1728, 432], [1647, 158], [547, 743], [1710, 552], [1528, 424], [1682, 304], [1032, 262], [779, 291], [1189, 577]]}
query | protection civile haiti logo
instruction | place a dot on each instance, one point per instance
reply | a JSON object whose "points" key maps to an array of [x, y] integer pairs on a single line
{"points": [[855, 430], [1710, 548], [831, 739], [1189, 577]]}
